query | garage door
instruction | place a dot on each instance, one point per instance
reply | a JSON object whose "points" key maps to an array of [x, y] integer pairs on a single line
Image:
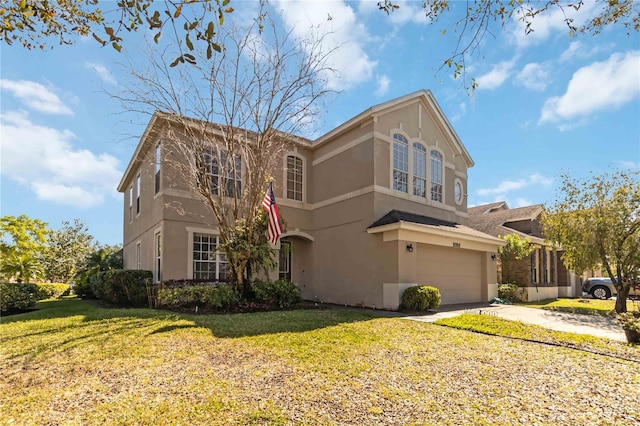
{"points": [[457, 273]]}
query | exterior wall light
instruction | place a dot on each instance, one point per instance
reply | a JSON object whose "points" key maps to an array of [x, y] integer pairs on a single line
{"points": [[410, 248], [494, 257]]}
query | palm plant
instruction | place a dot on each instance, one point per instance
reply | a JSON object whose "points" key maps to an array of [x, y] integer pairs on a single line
{"points": [[103, 259], [21, 267]]}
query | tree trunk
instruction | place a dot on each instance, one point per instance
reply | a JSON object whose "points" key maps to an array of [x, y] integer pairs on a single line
{"points": [[621, 299]]}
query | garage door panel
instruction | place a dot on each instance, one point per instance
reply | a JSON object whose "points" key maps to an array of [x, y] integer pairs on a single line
{"points": [[456, 273]]}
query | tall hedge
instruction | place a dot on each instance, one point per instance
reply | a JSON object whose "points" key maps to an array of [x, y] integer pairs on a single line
{"points": [[125, 287]]}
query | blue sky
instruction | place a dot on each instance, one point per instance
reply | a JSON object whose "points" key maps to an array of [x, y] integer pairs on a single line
{"points": [[546, 104]]}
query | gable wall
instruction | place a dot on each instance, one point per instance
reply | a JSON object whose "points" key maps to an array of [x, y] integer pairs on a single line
{"points": [[415, 122]]}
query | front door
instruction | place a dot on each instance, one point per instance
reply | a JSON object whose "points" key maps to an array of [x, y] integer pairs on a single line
{"points": [[285, 261]]}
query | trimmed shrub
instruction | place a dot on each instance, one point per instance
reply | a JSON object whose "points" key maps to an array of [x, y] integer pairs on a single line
{"points": [[18, 296], [53, 290], [510, 292], [125, 287], [281, 293], [420, 298], [213, 296]]}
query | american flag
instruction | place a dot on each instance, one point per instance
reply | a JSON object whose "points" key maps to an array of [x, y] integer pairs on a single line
{"points": [[269, 204]]}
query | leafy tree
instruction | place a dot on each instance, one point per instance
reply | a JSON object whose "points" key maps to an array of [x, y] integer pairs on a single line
{"points": [[597, 223], [228, 122], [102, 259], [22, 235], [33, 23], [515, 250], [22, 267], [67, 249]]}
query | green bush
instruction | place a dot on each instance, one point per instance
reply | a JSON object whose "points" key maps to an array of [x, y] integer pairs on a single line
{"points": [[125, 287], [281, 293], [510, 292], [82, 289], [420, 298], [18, 296], [53, 290], [215, 296]]}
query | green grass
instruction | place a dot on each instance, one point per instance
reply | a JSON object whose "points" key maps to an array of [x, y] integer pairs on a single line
{"points": [[495, 326], [71, 363], [604, 308]]}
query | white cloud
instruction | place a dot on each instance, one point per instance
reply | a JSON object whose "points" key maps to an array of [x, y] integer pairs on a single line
{"points": [[577, 50], [574, 50], [103, 73], [409, 11], [520, 202], [551, 22], [43, 159], [343, 33], [36, 96], [496, 77], [383, 85], [504, 187], [534, 76], [462, 110], [595, 87], [630, 165]]}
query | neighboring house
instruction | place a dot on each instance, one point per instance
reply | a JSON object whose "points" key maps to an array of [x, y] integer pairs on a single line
{"points": [[376, 205], [543, 275]]}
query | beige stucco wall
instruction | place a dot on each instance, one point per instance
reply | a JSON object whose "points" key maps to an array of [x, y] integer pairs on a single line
{"points": [[347, 186]]}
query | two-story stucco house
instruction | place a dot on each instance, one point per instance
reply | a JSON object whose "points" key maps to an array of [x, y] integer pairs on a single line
{"points": [[374, 206]]}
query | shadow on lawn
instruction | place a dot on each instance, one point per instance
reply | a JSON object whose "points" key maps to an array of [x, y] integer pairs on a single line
{"points": [[99, 322]]}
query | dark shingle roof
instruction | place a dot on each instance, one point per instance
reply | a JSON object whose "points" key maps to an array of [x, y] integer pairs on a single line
{"points": [[395, 216]]}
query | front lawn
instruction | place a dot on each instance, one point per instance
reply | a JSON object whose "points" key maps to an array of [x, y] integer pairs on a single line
{"points": [[605, 308], [73, 364]]}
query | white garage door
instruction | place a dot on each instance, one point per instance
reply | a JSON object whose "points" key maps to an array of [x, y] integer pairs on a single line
{"points": [[456, 273]]}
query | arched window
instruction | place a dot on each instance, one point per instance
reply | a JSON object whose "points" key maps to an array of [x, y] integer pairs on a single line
{"points": [[436, 176], [294, 178], [400, 163], [419, 170]]}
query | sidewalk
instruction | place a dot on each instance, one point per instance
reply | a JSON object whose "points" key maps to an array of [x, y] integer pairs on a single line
{"points": [[560, 321]]}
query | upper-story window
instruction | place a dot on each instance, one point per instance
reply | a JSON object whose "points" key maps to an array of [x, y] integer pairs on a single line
{"points": [[294, 178], [130, 203], [224, 171], [419, 170], [436, 176], [157, 173], [458, 191], [400, 163], [138, 194]]}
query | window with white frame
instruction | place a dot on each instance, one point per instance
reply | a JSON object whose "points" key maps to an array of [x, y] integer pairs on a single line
{"points": [[400, 163], [158, 258], [458, 192], [294, 178], [208, 262], [138, 195], [138, 253], [157, 171], [419, 170], [224, 171], [130, 203], [436, 176]]}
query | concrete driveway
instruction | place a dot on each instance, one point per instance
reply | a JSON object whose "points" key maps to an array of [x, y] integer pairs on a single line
{"points": [[560, 321]]}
